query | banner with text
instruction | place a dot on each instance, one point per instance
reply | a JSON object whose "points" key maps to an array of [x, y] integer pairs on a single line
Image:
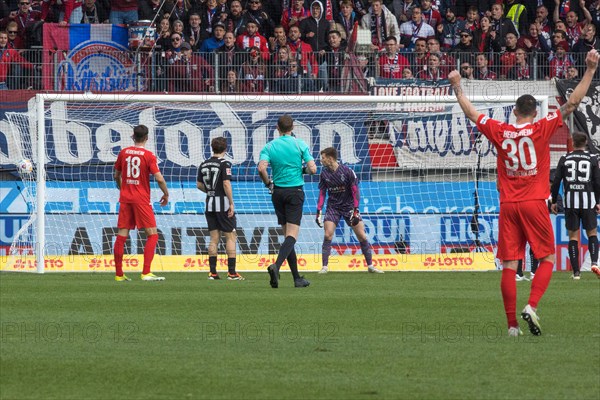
{"points": [[587, 115]]}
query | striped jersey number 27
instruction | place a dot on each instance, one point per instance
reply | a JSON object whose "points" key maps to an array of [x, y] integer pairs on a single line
{"points": [[210, 177], [521, 154]]}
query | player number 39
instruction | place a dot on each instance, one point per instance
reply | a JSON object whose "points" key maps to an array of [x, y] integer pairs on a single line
{"points": [[519, 153]]}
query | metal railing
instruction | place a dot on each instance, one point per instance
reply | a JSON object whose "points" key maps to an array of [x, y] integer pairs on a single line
{"points": [[173, 72]]}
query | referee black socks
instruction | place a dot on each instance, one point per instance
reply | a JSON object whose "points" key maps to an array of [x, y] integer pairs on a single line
{"points": [[286, 248]]}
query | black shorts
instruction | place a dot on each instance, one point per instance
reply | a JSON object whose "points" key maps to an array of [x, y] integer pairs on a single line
{"points": [[220, 221], [288, 203], [575, 216]]}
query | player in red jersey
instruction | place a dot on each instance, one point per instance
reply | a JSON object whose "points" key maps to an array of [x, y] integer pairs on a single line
{"points": [[133, 168], [523, 173]]}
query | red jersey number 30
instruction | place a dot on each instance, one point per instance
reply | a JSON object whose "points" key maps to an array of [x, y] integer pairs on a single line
{"points": [[521, 154]]}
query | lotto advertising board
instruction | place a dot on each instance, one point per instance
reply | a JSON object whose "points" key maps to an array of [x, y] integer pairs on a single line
{"points": [[400, 242]]}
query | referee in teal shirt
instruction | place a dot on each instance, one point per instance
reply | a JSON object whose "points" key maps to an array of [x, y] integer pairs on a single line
{"points": [[286, 155]]}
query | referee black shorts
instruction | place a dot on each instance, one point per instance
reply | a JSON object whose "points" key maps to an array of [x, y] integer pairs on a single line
{"points": [[288, 203], [576, 216], [218, 220]]}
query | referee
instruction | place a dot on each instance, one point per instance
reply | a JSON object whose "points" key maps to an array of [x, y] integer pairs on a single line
{"points": [[580, 176], [286, 154]]}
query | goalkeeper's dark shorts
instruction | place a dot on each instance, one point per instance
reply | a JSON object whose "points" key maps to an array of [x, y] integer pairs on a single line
{"points": [[218, 220], [334, 215], [288, 203], [586, 217]]}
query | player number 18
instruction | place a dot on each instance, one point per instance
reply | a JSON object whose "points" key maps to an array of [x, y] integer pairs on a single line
{"points": [[519, 152], [133, 166]]}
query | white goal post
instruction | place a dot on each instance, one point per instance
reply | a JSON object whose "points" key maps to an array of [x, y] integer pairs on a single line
{"points": [[385, 181]]}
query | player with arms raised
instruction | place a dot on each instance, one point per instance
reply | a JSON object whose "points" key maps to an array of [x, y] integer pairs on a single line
{"points": [[133, 168], [341, 185], [523, 165]]}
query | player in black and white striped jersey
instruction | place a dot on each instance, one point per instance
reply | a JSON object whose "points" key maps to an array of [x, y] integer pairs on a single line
{"points": [[214, 179], [580, 175]]}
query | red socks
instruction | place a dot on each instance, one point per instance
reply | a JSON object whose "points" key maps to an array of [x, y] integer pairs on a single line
{"points": [[149, 252], [540, 282], [508, 286], [119, 249]]}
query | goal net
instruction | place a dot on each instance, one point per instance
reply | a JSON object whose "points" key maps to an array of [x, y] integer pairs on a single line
{"points": [[427, 180]]}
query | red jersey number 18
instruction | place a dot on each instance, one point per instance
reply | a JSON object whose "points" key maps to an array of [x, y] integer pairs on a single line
{"points": [[133, 166]]}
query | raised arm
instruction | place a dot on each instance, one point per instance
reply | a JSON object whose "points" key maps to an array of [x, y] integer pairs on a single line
{"points": [[586, 13], [591, 60], [556, 12], [466, 105]]}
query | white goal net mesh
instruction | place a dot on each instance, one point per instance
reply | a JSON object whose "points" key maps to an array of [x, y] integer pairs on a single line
{"points": [[427, 183]]}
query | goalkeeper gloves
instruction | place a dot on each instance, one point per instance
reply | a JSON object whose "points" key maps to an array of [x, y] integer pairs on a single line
{"points": [[355, 218], [270, 186], [319, 219]]}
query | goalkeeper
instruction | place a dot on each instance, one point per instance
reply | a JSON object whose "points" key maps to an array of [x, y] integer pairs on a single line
{"points": [[341, 183]]}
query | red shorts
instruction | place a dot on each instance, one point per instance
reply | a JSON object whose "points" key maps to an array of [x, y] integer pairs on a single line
{"points": [[132, 215], [521, 223]]}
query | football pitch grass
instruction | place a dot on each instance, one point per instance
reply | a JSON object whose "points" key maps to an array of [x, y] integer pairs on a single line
{"points": [[347, 336]]}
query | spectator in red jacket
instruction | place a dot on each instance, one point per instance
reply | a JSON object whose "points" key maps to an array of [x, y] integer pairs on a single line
{"points": [[302, 52], [521, 71], [447, 62], [9, 59], [295, 14], [507, 58], [560, 62], [254, 72], [24, 17], [391, 62], [433, 72], [190, 73], [432, 17], [251, 38], [534, 41], [14, 40]]}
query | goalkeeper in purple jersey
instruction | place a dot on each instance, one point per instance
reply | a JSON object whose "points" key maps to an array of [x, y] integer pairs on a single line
{"points": [[341, 185]]}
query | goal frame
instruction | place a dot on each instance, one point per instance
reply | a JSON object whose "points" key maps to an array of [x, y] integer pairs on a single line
{"points": [[42, 98]]}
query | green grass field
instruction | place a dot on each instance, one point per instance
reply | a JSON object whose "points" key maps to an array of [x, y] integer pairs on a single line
{"points": [[348, 336]]}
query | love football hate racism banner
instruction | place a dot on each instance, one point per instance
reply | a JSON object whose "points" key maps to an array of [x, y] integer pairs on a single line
{"points": [[587, 115]]}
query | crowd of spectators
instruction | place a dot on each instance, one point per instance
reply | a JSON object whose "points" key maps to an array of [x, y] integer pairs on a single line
{"points": [[302, 45]]}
